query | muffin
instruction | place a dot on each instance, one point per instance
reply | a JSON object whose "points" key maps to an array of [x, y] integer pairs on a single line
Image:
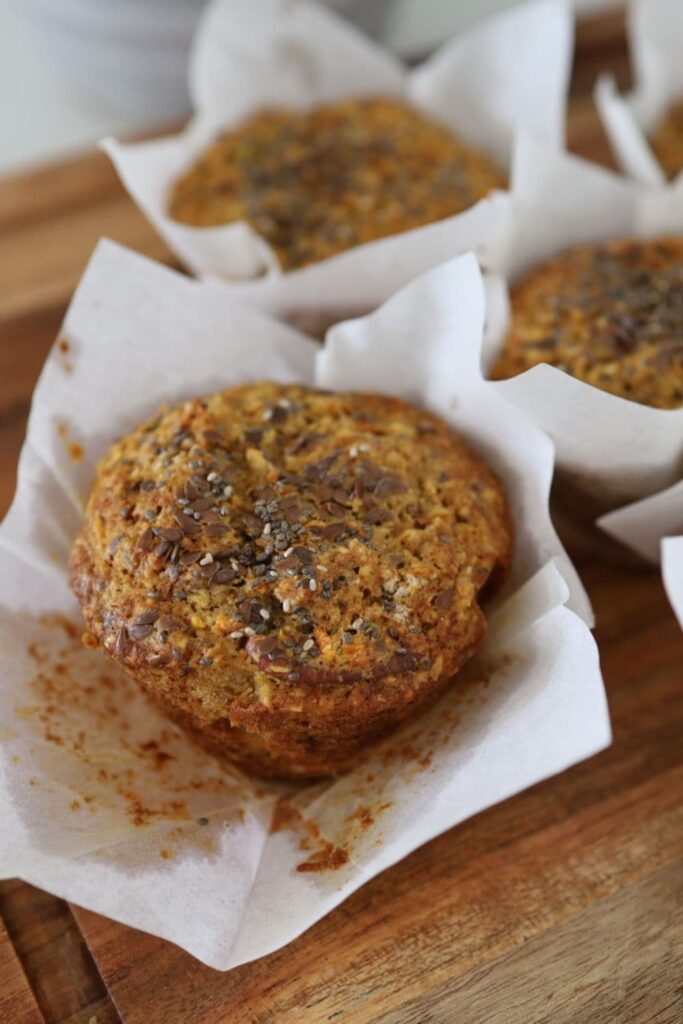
{"points": [[314, 183], [609, 314], [291, 573], [667, 140]]}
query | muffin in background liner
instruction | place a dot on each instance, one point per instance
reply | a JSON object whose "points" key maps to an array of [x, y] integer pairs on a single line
{"points": [[507, 74], [653, 529], [610, 451], [655, 32], [107, 803]]}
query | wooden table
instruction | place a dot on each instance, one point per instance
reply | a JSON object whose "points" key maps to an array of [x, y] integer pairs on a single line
{"points": [[561, 905]]}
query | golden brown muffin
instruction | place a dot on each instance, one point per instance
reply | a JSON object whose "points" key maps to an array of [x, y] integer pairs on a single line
{"points": [[290, 573], [667, 140], [609, 314], [317, 182]]}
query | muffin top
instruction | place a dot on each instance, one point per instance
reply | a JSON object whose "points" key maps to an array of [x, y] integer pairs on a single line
{"points": [[314, 183], [667, 140], [271, 535], [609, 314]]}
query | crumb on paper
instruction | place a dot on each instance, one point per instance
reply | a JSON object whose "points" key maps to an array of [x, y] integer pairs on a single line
{"points": [[64, 347], [158, 756], [367, 815], [363, 815], [80, 705], [75, 451], [325, 860], [325, 856]]}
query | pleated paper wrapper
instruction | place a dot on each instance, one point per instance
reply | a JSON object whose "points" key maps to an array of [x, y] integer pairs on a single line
{"points": [[610, 451], [508, 74], [104, 801]]}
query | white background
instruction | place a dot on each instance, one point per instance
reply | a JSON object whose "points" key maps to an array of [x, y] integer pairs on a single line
{"points": [[40, 119]]}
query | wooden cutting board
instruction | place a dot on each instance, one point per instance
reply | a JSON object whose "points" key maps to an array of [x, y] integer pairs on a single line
{"points": [[561, 905]]}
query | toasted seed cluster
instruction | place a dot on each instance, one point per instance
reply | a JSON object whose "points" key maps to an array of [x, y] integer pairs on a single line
{"points": [[318, 182], [609, 314], [290, 572], [667, 140]]}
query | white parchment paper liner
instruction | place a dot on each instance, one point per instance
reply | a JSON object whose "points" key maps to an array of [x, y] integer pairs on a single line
{"points": [[612, 450], [227, 890], [672, 573], [509, 73], [655, 31], [653, 528]]}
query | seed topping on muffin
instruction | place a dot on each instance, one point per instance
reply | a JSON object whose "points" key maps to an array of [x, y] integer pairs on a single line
{"points": [[610, 314], [273, 547], [314, 183]]}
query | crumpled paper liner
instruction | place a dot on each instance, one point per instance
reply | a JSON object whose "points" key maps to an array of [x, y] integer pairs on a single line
{"points": [[107, 803], [655, 30], [610, 451], [508, 74], [653, 528]]}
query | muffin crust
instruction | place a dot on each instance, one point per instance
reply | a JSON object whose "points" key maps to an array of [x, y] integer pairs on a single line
{"points": [[317, 182], [609, 314], [290, 573]]}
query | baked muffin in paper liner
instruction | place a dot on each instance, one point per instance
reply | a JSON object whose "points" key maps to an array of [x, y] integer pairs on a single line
{"points": [[104, 801], [610, 450], [509, 73]]}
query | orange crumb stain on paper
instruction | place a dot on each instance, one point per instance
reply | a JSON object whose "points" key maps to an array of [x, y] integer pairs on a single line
{"points": [[36, 652], [61, 692], [58, 690], [64, 347], [325, 860], [75, 450], [367, 816], [159, 757], [325, 856]]}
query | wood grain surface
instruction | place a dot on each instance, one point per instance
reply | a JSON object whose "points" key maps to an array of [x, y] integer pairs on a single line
{"points": [[17, 1002], [561, 905], [65, 982]]}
